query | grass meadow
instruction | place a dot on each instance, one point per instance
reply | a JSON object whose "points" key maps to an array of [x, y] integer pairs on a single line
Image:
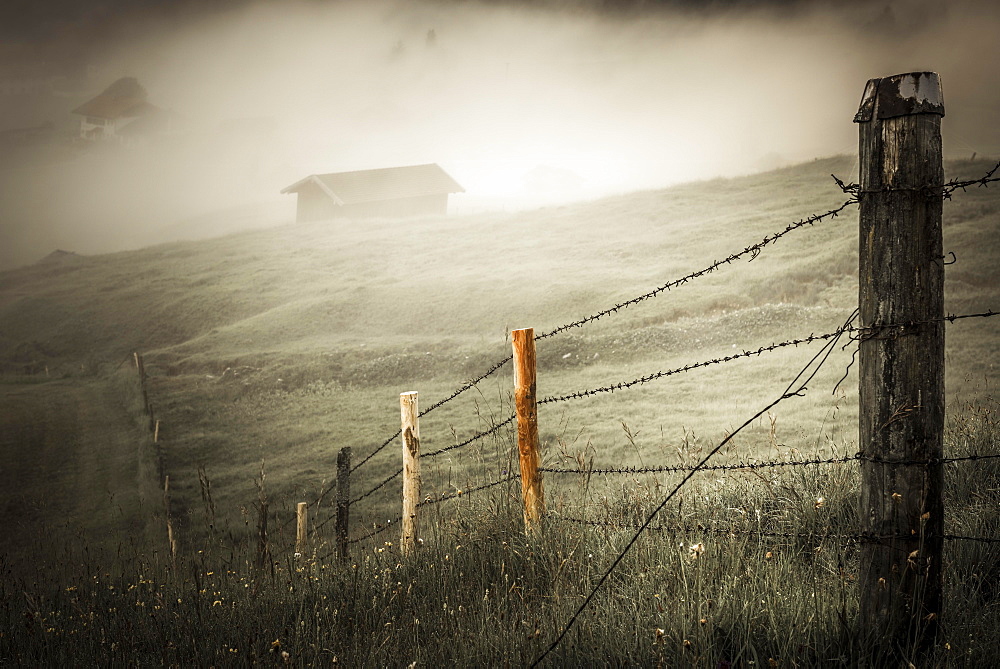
{"points": [[282, 346]]}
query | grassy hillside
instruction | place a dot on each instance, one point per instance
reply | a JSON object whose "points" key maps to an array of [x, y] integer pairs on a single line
{"points": [[289, 343], [286, 344]]}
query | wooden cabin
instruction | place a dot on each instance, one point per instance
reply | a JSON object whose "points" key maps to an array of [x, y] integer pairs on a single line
{"points": [[393, 192]]}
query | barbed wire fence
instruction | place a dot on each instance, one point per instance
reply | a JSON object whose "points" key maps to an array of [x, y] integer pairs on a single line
{"points": [[751, 252]]}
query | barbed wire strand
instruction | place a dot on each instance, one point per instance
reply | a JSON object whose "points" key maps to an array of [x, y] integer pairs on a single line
{"points": [[856, 333], [624, 385], [801, 379], [766, 464], [429, 501], [431, 454], [983, 182], [753, 251], [697, 528], [945, 191]]}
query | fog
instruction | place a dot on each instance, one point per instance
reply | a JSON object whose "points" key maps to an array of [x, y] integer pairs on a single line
{"points": [[523, 104]]}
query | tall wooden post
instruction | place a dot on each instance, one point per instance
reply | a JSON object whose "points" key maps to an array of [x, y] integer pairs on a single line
{"points": [[411, 470], [901, 367], [301, 526], [343, 499], [532, 493]]}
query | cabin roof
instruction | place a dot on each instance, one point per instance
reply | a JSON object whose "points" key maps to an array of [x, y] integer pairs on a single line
{"points": [[389, 183]]}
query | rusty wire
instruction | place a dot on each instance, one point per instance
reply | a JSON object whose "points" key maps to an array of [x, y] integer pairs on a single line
{"points": [[673, 469], [982, 182], [698, 528], [623, 385], [461, 389], [855, 332], [753, 251], [378, 487], [431, 500], [945, 191]]}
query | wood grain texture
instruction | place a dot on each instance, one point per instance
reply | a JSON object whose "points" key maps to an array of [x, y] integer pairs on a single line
{"points": [[901, 385], [525, 402], [343, 501], [411, 471]]}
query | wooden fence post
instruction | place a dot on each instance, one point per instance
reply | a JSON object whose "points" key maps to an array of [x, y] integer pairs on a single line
{"points": [[301, 526], [343, 499], [532, 493], [411, 470], [171, 539], [263, 552], [901, 384]]}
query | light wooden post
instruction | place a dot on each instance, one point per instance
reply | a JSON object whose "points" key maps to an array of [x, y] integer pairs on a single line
{"points": [[527, 428], [156, 432], [901, 385], [343, 499], [411, 470], [301, 526]]}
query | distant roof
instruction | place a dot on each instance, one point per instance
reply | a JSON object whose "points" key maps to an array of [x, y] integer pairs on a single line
{"points": [[125, 98], [389, 183]]}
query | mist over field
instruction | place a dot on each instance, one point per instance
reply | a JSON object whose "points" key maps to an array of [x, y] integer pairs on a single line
{"points": [[524, 104]]}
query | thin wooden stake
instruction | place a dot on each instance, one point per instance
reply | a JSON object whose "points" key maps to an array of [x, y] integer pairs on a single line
{"points": [[901, 369], [301, 526], [411, 471], [171, 539], [527, 428], [156, 432], [343, 500]]}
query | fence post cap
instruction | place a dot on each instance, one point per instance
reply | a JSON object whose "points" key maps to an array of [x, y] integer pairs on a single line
{"points": [[901, 95]]}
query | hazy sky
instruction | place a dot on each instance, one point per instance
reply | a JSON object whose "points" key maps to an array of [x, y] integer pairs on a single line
{"points": [[522, 102]]}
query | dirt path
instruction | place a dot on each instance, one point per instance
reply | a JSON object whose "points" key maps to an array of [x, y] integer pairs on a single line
{"points": [[68, 469]]}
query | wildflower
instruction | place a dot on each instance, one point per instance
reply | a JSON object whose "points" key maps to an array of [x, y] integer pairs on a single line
{"points": [[819, 502], [276, 644], [659, 636], [768, 555], [697, 549]]}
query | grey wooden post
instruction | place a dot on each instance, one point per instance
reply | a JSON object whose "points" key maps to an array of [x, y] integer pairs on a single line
{"points": [[901, 391]]}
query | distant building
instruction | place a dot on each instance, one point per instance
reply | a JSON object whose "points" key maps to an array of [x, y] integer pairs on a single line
{"points": [[120, 105], [393, 192]]}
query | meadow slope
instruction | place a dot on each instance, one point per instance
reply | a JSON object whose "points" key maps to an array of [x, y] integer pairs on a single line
{"points": [[287, 343]]}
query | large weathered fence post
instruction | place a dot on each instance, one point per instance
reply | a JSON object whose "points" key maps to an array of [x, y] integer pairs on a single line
{"points": [[411, 470], [532, 493], [343, 499], [901, 367]]}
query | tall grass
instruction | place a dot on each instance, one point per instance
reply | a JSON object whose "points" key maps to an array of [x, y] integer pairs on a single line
{"points": [[748, 569]]}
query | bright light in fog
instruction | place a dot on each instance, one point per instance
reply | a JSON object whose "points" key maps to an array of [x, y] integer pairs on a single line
{"points": [[523, 106]]}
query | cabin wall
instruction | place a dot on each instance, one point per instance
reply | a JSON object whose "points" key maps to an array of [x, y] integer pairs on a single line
{"points": [[315, 205], [401, 208]]}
